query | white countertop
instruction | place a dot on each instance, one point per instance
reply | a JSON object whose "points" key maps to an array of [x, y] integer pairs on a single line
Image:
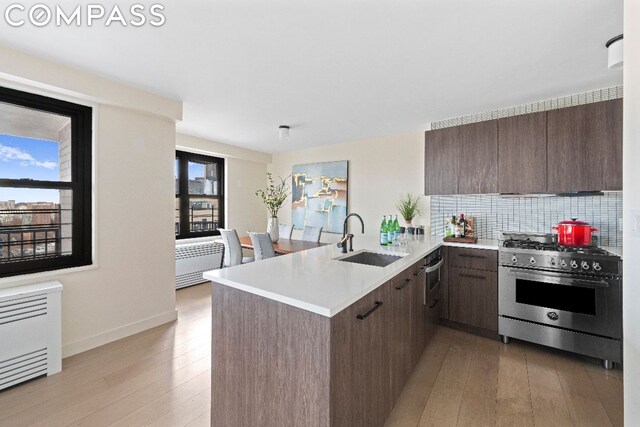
{"points": [[315, 281]]}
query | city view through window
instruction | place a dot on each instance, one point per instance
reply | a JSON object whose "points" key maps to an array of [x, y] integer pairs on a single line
{"points": [[45, 183], [32, 219], [198, 206]]}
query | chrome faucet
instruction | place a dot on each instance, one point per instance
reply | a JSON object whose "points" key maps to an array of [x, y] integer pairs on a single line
{"points": [[348, 237]]}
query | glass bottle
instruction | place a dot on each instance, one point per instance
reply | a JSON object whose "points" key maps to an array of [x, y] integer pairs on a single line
{"points": [[396, 229], [463, 225], [383, 231]]}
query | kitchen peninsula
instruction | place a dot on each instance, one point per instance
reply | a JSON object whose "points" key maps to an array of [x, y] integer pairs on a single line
{"points": [[307, 339]]}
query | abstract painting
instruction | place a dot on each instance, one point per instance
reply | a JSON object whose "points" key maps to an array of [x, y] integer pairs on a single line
{"points": [[319, 195]]}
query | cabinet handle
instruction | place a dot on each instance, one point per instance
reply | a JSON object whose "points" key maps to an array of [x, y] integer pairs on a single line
{"points": [[471, 256], [401, 287], [376, 306], [472, 276], [435, 302]]}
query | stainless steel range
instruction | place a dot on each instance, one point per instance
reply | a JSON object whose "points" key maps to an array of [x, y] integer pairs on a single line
{"points": [[563, 297]]}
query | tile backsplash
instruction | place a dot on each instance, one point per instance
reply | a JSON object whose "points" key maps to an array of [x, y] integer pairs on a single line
{"points": [[494, 213]]}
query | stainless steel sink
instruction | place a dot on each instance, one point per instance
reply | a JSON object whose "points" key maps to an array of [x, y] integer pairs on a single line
{"points": [[371, 258]]}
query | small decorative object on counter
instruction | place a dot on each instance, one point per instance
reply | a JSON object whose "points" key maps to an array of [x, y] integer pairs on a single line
{"points": [[459, 229], [273, 197], [409, 207], [384, 232]]}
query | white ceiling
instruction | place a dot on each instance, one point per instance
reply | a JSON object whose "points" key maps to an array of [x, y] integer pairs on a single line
{"points": [[344, 70]]}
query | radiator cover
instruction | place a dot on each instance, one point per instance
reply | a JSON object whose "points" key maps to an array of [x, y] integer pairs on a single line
{"points": [[30, 332], [193, 259]]}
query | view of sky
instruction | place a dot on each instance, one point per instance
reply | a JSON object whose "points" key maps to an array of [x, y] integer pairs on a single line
{"points": [[28, 158], [196, 170]]}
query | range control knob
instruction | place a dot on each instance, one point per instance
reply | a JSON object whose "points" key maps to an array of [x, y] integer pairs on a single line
{"points": [[514, 259], [532, 260], [563, 264], [596, 266], [585, 265], [574, 264], [552, 261]]}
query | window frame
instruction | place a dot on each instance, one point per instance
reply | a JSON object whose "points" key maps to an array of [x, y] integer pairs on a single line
{"points": [[80, 184], [183, 158]]}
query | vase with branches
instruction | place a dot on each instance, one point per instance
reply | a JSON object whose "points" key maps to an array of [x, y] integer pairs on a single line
{"points": [[409, 207], [274, 196]]}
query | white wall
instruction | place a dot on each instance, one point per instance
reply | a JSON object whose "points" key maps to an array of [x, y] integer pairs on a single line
{"points": [[131, 285], [380, 170], [631, 240], [244, 173]]}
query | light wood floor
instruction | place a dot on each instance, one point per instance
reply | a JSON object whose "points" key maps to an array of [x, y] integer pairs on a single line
{"points": [[161, 377], [466, 380]]}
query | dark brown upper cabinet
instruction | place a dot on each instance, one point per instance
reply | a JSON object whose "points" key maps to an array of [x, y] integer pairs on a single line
{"points": [[584, 151], [558, 151], [441, 161], [478, 154], [462, 159], [522, 153]]}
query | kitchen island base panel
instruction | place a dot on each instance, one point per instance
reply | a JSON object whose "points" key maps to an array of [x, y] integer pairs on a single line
{"points": [[258, 347], [274, 364]]}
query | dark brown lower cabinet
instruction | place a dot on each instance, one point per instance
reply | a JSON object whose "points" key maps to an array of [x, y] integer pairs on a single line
{"points": [[274, 364], [432, 315], [444, 284], [418, 326], [360, 368], [473, 297], [400, 327]]}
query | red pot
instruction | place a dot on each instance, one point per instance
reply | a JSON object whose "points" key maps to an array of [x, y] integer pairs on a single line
{"points": [[574, 233]]}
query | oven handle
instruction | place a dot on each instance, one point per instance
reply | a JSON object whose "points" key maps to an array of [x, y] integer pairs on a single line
{"points": [[433, 268], [561, 280]]}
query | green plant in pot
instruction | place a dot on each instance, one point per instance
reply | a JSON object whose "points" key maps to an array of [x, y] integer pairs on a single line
{"points": [[409, 207], [274, 197]]}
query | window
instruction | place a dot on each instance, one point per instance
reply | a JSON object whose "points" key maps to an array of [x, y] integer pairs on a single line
{"points": [[45, 183], [199, 208]]}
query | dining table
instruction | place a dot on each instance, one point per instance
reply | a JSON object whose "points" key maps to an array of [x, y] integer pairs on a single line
{"points": [[284, 246]]}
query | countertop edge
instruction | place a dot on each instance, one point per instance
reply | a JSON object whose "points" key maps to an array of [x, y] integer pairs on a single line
{"points": [[489, 244], [323, 311]]}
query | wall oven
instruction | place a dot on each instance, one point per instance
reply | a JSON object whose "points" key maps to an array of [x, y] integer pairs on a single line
{"points": [[433, 263]]}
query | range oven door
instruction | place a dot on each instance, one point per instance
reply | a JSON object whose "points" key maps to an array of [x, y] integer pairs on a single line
{"points": [[581, 303]]}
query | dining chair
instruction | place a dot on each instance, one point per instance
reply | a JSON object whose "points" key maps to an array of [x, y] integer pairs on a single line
{"points": [[262, 245], [232, 248], [285, 231], [311, 234]]}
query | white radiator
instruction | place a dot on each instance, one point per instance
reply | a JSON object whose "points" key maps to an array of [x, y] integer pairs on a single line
{"points": [[193, 259], [30, 332]]}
